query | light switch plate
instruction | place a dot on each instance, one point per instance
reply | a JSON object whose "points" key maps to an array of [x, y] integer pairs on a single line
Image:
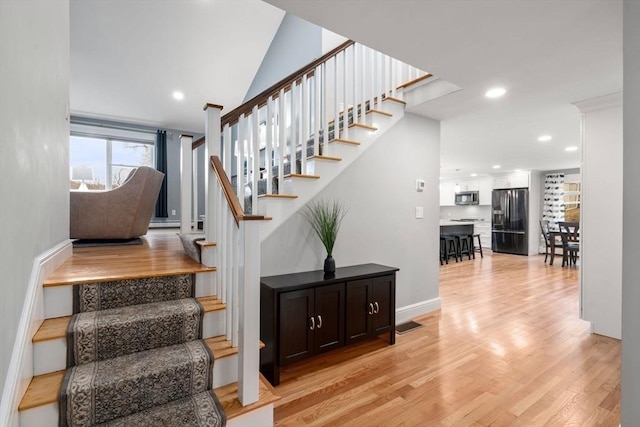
{"points": [[419, 184], [419, 212]]}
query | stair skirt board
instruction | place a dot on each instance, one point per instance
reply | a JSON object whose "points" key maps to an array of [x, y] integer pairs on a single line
{"points": [[50, 355]]}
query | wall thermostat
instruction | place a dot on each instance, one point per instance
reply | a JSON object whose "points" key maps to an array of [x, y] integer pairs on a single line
{"points": [[419, 184]]}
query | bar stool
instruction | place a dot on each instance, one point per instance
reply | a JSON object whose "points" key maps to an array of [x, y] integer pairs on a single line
{"points": [[448, 248], [463, 246], [475, 249]]}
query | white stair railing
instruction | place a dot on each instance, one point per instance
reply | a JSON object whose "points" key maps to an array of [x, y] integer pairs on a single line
{"points": [[258, 145], [275, 133]]}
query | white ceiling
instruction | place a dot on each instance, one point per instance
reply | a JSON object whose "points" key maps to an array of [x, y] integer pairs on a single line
{"points": [[128, 56], [547, 54]]}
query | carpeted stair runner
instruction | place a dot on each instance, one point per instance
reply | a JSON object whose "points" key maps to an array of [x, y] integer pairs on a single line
{"points": [[105, 334], [196, 410], [136, 356]]}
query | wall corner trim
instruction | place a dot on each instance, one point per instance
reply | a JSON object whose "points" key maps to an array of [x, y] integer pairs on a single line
{"points": [[408, 312], [21, 365], [600, 103]]}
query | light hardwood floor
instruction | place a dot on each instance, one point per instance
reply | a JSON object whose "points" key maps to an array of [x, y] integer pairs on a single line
{"points": [[507, 349]]}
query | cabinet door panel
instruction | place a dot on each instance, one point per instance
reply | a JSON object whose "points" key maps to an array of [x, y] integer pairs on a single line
{"points": [[383, 298], [329, 309], [296, 310], [358, 317]]}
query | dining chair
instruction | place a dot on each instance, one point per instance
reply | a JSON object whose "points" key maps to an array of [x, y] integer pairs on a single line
{"points": [[569, 231]]}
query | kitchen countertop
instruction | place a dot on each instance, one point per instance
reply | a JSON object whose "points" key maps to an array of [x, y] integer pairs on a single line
{"points": [[459, 222]]}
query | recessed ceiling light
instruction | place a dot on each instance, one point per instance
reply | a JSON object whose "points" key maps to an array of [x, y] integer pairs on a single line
{"points": [[474, 174], [544, 138], [495, 92], [496, 166], [572, 148], [178, 95]]}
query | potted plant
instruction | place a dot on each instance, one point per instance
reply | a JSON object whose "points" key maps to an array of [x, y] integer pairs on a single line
{"points": [[325, 218]]}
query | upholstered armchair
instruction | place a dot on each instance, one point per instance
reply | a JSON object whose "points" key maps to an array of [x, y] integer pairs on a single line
{"points": [[121, 213]]}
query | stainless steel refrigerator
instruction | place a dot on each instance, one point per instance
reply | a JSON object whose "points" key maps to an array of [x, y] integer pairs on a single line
{"points": [[509, 221]]}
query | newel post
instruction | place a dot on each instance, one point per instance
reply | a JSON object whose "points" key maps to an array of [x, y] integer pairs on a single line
{"points": [[186, 176], [249, 316], [211, 188]]}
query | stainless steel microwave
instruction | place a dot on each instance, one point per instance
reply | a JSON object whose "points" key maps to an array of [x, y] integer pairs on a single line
{"points": [[467, 198]]}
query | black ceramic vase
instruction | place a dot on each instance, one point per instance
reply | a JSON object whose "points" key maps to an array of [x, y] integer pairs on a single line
{"points": [[329, 265]]}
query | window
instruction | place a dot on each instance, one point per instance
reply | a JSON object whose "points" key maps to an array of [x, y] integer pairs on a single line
{"points": [[101, 158]]}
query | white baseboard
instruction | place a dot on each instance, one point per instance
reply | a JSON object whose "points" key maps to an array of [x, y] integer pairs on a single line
{"points": [[21, 365], [408, 312]]}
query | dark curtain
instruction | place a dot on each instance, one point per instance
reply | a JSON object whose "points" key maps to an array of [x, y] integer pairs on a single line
{"points": [[161, 165]]}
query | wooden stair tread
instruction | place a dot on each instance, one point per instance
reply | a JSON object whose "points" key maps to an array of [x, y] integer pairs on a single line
{"points": [[319, 157], [204, 243], [228, 397], [345, 141], [158, 255], [44, 389], [414, 81], [302, 175], [56, 328], [362, 125], [384, 113], [391, 98], [278, 196], [85, 276]]}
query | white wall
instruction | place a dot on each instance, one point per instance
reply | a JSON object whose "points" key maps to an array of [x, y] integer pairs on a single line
{"points": [[34, 144], [296, 43], [631, 237], [601, 214], [380, 227]]}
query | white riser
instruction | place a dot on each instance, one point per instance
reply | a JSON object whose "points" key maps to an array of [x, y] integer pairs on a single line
{"points": [[51, 355], [261, 417]]}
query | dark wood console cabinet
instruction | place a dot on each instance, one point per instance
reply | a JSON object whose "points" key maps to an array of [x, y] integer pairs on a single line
{"points": [[303, 314]]}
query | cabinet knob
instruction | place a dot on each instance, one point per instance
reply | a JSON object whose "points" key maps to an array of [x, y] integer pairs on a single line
{"points": [[319, 321], [313, 323], [370, 308], [376, 307]]}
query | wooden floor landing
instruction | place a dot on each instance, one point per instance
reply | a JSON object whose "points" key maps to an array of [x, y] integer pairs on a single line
{"points": [[160, 254], [507, 349]]}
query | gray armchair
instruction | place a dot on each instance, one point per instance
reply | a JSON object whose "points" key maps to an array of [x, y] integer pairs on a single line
{"points": [[121, 213]]}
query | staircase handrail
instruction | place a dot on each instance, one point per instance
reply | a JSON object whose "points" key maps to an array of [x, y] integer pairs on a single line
{"points": [[227, 189], [232, 116], [261, 99]]}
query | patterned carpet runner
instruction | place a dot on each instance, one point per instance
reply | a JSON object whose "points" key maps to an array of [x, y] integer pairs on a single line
{"points": [[136, 357]]}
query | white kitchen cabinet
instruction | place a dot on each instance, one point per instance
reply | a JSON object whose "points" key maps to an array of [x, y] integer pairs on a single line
{"points": [[483, 228], [447, 193], [485, 187], [514, 180], [468, 185]]}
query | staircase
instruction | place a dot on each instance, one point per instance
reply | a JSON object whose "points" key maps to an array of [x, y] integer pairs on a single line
{"points": [[280, 150], [284, 146], [174, 332]]}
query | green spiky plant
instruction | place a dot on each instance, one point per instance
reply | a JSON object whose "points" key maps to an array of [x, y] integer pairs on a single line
{"points": [[325, 218]]}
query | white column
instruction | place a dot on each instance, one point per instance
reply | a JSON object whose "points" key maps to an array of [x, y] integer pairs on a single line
{"points": [[601, 214], [185, 182], [249, 316], [194, 191]]}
